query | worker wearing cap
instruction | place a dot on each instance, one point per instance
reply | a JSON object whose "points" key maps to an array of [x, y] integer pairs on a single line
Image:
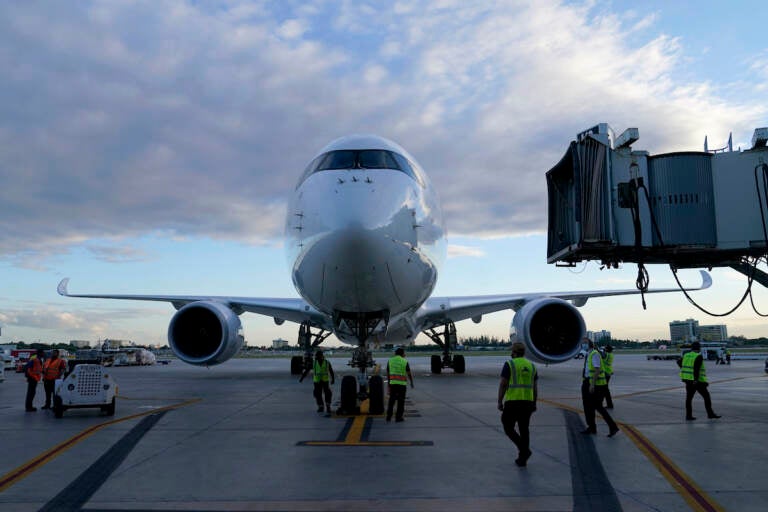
{"points": [[322, 373], [517, 400], [53, 369], [398, 374], [694, 375], [34, 372]]}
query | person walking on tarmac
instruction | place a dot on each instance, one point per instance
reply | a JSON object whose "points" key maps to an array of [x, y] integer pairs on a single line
{"points": [[517, 400], [593, 388], [321, 371], [53, 369], [694, 375], [33, 371], [397, 372], [608, 363]]}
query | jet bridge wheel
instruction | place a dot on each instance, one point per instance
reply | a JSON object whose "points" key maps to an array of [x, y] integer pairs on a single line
{"points": [[376, 395], [348, 395], [58, 406], [458, 364], [110, 408], [436, 364], [297, 365]]}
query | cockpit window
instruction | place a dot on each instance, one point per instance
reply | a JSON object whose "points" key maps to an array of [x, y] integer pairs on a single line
{"points": [[361, 159]]}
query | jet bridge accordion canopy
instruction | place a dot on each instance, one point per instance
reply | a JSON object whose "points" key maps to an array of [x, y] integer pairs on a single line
{"points": [[609, 203]]}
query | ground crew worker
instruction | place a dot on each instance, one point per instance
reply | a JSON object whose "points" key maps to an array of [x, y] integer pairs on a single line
{"points": [[322, 372], [608, 363], [727, 356], [398, 371], [33, 371], [517, 400], [593, 387], [53, 369], [694, 375]]}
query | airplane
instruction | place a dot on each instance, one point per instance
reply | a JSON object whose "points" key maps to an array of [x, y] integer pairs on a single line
{"points": [[365, 239]]}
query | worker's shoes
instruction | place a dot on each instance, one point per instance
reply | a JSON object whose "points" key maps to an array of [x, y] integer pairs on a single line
{"points": [[689, 418], [613, 432], [320, 409], [713, 416], [522, 459]]}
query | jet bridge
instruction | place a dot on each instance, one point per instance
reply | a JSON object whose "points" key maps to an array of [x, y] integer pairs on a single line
{"points": [[613, 204]]}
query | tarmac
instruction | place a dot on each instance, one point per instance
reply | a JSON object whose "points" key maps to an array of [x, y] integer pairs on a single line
{"points": [[245, 436]]}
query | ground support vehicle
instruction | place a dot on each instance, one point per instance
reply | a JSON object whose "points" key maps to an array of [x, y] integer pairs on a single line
{"points": [[86, 385]]}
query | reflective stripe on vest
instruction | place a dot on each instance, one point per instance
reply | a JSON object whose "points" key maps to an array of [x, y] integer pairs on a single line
{"points": [[597, 375], [397, 373], [35, 370], [53, 368], [521, 376], [686, 370], [609, 363], [320, 371]]}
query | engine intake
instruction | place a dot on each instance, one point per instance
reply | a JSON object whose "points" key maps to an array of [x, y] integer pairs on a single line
{"points": [[551, 329], [205, 333]]}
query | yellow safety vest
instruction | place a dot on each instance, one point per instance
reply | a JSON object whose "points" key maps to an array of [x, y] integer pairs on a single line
{"points": [[596, 375], [522, 373], [609, 363], [397, 373], [320, 371], [686, 370]]}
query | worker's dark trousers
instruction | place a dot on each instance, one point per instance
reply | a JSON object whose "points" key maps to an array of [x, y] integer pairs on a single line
{"points": [[518, 412], [396, 395], [691, 388], [594, 402], [322, 388], [608, 399], [49, 386], [31, 390]]}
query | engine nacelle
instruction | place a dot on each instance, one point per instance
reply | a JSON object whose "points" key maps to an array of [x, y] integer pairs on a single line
{"points": [[205, 333], [552, 330]]}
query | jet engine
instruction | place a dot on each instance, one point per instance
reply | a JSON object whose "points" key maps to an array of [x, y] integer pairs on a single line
{"points": [[205, 333], [552, 330]]}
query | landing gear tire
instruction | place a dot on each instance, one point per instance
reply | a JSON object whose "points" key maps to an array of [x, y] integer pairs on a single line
{"points": [[297, 365], [458, 364], [58, 407], [376, 395], [437, 364], [348, 395]]}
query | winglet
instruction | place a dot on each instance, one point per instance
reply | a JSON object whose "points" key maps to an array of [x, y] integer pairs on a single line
{"points": [[62, 288], [706, 279]]}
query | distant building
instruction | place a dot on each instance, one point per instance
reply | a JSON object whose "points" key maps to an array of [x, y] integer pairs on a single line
{"points": [[80, 343], [599, 336], [279, 344], [109, 344], [684, 331], [713, 333]]}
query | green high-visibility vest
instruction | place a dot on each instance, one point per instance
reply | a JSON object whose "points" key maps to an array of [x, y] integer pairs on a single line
{"points": [[320, 371], [686, 370], [596, 375], [522, 373], [609, 363], [397, 373]]}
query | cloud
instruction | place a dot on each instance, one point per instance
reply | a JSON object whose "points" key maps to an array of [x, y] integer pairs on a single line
{"points": [[195, 119], [457, 251]]}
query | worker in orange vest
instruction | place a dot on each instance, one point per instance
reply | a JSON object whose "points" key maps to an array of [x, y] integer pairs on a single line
{"points": [[34, 372], [53, 369]]}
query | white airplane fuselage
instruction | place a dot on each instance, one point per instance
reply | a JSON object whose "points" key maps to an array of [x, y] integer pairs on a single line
{"points": [[365, 240]]}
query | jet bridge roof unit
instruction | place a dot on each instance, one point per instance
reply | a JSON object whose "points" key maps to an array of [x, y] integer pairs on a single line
{"points": [[610, 203]]}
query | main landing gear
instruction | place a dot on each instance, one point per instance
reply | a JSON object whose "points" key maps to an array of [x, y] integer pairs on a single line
{"points": [[355, 391], [446, 340], [308, 340]]}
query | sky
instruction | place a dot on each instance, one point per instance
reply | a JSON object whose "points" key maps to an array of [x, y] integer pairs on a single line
{"points": [[151, 146]]}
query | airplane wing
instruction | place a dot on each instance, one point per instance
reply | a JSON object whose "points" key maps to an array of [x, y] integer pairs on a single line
{"points": [[437, 310], [293, 310]]}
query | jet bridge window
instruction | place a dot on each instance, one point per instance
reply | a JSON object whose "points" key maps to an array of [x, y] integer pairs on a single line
{"points": [[361, 159]]}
